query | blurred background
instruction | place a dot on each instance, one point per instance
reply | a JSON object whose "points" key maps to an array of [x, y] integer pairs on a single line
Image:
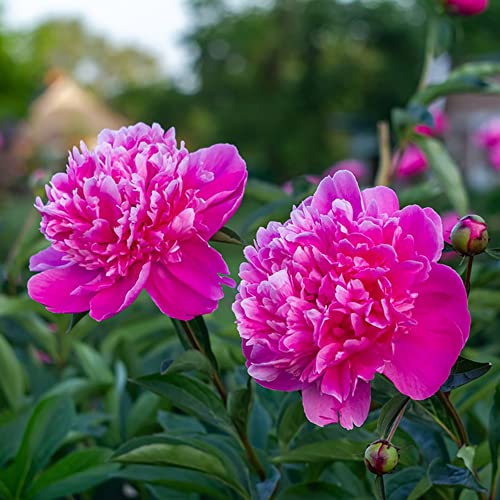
{"points": [[295, 84]]}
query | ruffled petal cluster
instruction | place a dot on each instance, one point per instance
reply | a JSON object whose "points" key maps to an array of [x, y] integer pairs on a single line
{"points": [[137, 213], [348, 287]]}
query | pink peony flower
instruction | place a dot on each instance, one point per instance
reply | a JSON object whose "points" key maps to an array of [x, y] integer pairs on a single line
{"points": [[488, 135], [348, 287], [356, 167], [136, 213], [494, 157], [440, 123], [449, 219], [411, 162], [466, 7]]}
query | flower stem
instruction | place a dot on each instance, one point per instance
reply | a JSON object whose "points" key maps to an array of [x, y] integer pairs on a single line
{"points": [[452, 412], [397, 421], [219, 385], [468, 274], [430, 48]]}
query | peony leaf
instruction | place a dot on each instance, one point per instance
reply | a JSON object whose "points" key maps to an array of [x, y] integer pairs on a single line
{"points": [[226, 235], [183, 480], [317, 490], [12, 381], [389, 413], [75, 319], [238, 406], [191, 396], [187, 361], [325, 451], [191, 454], [47, 427], [75, 473], [463, 372], [494, 436], [446, 172], [441, 473], [291, 420], [493, 253], [93, 364]]}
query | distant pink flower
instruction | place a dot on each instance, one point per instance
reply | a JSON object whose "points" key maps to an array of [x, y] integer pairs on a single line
{"points": [[137, 213], [488, 135], [348, 287], [356, 167], [466, 7], [440, 123], [411, 162], [494, 157]]}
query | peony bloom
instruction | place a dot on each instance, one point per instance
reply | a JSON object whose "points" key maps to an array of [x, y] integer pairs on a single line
{"points": [[466, 7], [449, 219], [136, 213], [469, 235], [348, 287], [488, 135], [411, 162], [356, 167], [494, 157], [440, 123]]}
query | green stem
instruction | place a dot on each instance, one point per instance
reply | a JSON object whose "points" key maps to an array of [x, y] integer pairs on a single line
{"points": [[219, 385], [430, 49], [468, 274]]}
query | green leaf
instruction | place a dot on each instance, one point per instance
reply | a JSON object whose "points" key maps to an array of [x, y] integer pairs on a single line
{"points": [[12, 427], [189, 361], [494, 434], [196, 328], [493, 252], [467, 454], [226, 235], [75, 319], [238, 406], [446, 172], [75, 473], [317, 490], [12, 381], [325, 451], [47, 427], [463, 372], [437, 409], [291, 421], [183, 480], [263, 191], [403, 483], [449, 475], [143, 413], [5, 493], [191, 396], [389, 413], [93, 364], [157, 450]]}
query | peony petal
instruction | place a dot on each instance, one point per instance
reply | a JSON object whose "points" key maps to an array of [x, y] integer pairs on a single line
{"points": [[219, 174], [120, 294], [322, 409], [425, 228], [384, 198], [423, 357], [343, 186], [47, 259], [191, 287], [54, 289]]}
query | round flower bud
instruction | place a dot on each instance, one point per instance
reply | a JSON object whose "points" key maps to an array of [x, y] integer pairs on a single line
{"points": [[381, 457], [469, 236], [466, 7]]}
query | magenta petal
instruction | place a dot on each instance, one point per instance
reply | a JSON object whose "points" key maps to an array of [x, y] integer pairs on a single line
{"points": [[423, 357], [219, 174], [383, 197], [47, 259], [343, 186], [120, 294], [54, 288], [426, 228], [322, 409], [191, 287]]}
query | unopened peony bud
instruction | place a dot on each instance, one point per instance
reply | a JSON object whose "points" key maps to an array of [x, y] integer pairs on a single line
{"points": [[466, 7], [469, 236], [381, 457]]}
